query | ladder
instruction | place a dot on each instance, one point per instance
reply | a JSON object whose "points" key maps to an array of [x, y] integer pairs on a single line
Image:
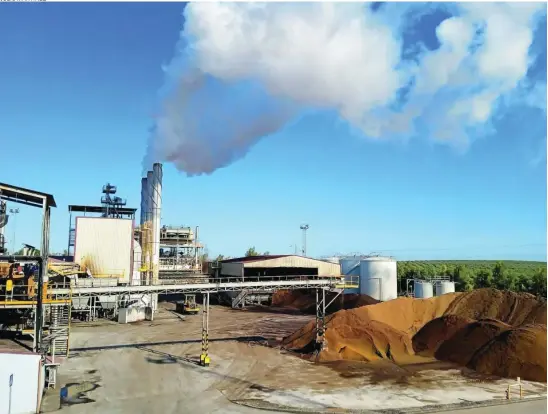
{"points": [[59, 331]]}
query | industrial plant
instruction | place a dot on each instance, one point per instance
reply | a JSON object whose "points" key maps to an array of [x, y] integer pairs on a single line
{"points": [[124, 271]]}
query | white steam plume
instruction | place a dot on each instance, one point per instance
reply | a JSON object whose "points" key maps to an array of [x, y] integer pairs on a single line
{"points": [[243, 71]]}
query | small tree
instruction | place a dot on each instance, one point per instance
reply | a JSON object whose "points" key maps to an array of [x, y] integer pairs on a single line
{"points": [[484, 279], [251, 252], [462, 277], [538, 282]]}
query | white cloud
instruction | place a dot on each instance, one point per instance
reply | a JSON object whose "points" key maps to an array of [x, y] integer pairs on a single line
{"points": [[341, 57]]}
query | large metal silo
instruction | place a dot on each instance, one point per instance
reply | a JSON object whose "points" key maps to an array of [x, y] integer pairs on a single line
{"points": [[379, 278], [423, 289], [444, 286]]}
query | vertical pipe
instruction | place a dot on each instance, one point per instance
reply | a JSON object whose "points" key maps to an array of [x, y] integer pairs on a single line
{"points": [[196, 247], [156, 218], [41, 273]]}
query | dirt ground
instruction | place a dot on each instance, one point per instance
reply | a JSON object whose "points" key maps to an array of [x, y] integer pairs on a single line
{"points": [[152, 367]]}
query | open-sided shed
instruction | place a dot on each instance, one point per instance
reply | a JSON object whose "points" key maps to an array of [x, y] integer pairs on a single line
{"points": [[278, 265]]}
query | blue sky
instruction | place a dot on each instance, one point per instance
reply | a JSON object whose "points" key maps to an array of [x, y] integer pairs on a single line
{"points": [[79, 86]]}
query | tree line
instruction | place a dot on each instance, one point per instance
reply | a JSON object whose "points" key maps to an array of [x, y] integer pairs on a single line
{"points": [[516, 276]]}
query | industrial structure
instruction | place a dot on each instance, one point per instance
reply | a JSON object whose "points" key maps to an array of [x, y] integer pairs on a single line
{"points": [[378, 276], [265, 268], [180, 251], [116, 269], [429, 287], [277, 265]]}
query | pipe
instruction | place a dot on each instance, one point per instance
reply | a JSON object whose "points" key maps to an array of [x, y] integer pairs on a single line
{"points": [[196, 248]]}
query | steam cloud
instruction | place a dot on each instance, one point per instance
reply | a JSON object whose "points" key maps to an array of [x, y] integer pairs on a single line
{"points": [[244, 71]]}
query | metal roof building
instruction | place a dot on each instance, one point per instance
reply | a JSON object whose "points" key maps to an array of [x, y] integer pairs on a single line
{"points": [[278, 265]]}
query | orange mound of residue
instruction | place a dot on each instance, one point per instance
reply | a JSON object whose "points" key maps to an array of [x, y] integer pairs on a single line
{"points": [[368, 333], [462, 346], [466, 328], [518, 352], [427, 341], [305, 301], [508, 307]]}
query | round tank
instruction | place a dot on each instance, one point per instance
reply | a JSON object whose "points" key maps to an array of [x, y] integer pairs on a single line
{"points": [[334, 260], [350, 265], [444, 287], [423, 290], [379, 278]]}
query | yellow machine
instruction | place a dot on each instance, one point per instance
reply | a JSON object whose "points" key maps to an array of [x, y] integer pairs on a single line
{"points": [[18, 285], [190, 305]]}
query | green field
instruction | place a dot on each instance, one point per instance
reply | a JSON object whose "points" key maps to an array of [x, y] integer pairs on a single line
{"points": [[518, 276]]}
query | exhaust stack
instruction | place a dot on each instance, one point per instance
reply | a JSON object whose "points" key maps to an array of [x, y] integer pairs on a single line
{"points": [[157, 174], [144, 200]]}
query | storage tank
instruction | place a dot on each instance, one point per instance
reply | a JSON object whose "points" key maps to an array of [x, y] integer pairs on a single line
{"points": [[423, 289], [334, 260], [379, 278], [444, 287], [350, 267]]}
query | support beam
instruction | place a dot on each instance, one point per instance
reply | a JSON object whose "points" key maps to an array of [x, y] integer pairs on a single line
{"points": [[320, 320], [204, 356]]}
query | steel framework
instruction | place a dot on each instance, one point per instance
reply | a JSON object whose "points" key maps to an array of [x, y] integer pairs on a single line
{"points": [[206, 286]]}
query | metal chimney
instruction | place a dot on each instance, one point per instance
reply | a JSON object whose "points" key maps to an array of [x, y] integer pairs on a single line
{"points": [[144, 199], [148, 248], [156, 217]]}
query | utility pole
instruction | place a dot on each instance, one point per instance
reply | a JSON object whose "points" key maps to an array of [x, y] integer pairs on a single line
{"points": [[14, 211], [304, 228]]}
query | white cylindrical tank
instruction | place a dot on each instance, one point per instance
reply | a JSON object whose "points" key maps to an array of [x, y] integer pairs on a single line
{"points": [[423, 289], [444, 287], [379, 278]]}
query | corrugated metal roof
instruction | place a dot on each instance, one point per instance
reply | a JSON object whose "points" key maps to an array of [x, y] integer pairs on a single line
{"points": [[254, 258]]}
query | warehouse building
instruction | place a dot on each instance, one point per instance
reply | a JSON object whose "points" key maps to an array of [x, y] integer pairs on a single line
{"points": [[277, 265]]}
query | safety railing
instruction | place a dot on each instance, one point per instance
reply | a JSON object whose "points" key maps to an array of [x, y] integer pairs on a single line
{"points": [[13, 294], [193, 278]]}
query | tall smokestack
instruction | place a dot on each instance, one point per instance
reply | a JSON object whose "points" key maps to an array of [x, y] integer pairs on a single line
{"points": [[144, 200], [150, 230], [156, 216]]}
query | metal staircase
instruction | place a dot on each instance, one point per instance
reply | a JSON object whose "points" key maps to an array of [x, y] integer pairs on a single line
{"points": [[59, 332], [251, 297], [239, 301]]}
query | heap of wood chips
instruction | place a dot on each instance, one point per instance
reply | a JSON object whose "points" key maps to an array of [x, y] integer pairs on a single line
{"points": [[493, 332]]}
